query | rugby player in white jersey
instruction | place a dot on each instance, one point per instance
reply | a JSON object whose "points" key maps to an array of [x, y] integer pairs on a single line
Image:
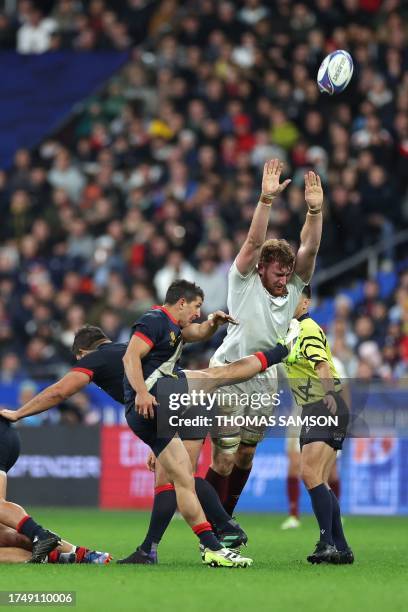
{"points": [[264, 285]]}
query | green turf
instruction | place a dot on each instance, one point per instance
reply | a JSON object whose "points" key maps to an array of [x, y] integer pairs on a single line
{"points": [[280, 580]]}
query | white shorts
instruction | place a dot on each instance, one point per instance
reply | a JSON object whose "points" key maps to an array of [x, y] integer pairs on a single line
{"points": [[247, 399]]}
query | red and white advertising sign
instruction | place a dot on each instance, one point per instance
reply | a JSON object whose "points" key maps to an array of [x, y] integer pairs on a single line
{"points": [[125, 480]]}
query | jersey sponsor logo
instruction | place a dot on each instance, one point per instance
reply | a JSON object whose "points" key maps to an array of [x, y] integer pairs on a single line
{"points": [[173, 338]]}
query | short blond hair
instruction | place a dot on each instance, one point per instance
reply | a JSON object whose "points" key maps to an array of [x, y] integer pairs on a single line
{"points": [[278, 250]]}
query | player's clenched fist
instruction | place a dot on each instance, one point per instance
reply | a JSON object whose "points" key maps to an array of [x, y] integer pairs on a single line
{"points": [[313, 192], [271, 177], [145, 403]]}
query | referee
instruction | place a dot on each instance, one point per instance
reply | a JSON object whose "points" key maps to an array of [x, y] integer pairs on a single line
{"points": [[317, 388]]}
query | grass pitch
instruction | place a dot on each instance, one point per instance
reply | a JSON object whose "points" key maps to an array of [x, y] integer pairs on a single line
{"points": [[280, 579]]}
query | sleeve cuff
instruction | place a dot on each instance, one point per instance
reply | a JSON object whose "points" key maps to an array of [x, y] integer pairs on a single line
{"points": [[89, 373], [144, 338]]}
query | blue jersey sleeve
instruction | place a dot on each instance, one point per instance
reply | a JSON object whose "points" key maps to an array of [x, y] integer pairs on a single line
{"points": [[149, 328]]}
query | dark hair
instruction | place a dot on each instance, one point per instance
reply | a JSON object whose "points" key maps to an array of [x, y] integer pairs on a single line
{"points": [[278, 250], [307, 292], [87, 338], [183, 289]]}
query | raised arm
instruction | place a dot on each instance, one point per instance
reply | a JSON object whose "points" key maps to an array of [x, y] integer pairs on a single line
{"points": [[311, 233], [249, 254], [132, 362], [199, 332], [53, 395]]}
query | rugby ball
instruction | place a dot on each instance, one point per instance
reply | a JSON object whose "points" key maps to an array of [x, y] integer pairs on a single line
{"points": [[335, 72]]}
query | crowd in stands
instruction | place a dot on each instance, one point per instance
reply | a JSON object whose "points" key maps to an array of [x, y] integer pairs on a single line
{"points": [[158, 176], [95, 25]]}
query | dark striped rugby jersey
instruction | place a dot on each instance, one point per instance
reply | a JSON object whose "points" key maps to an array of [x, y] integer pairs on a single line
{"points": [[104, 366], [160, 330], [314, 348]]}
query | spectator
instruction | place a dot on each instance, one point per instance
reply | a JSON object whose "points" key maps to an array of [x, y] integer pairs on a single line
{"points": [[11, 368], [66, 176], [175, 267], [213, 282], [34, 36]]}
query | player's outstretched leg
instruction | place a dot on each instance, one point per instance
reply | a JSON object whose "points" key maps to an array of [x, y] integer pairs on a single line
{"points": [[246, 368], [21, 547], [176, 462]]}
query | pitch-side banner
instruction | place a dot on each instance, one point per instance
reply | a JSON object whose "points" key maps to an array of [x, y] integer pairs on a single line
{"points": [[374, 477], [58, 466], [125, 480]]}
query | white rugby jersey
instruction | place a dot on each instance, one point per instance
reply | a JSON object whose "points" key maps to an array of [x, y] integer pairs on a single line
{"points": [[262, 317]]}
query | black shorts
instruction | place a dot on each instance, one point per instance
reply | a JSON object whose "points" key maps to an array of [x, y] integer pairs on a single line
{"points": [[197, 430], [157, 432], [9, 445], [330, 434]]}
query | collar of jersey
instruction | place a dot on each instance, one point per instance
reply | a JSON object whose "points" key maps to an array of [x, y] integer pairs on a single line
{"points": [[166, 312], [304, 316]]}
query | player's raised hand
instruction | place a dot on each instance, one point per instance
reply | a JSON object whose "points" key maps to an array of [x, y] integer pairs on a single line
{"points": [[145, 403], [219, 318], [10, 415], [271, 176], [313, 192]]}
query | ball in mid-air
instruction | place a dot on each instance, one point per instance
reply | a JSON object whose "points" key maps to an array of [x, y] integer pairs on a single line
{"points": [[335, 72]]}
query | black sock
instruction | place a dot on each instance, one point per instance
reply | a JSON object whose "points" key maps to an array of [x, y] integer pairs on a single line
{"points": [[337, 528], [28, 527], [323, 508], [206, 535], [211, 504], [164, 507], [236, 484], [272, 356]]}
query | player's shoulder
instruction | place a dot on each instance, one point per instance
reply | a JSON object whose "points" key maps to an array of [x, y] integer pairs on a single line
{"points": [[296, 283], [154, 316], [112, 347], [91, 361], [235, 274], [309, 326]]}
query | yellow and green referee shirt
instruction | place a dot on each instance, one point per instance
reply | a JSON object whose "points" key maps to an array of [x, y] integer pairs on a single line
{"points": [[313, 348]]}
